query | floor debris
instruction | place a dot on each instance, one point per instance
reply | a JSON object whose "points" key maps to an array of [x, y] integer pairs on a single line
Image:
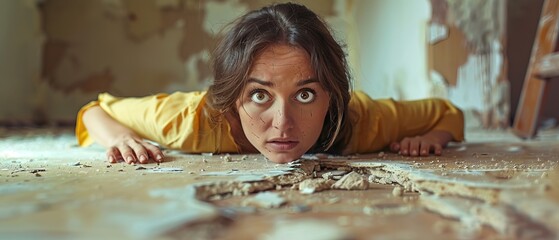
{"points": [[495, 190], [265, 200]]}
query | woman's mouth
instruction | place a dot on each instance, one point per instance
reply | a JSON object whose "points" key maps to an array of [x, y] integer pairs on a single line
{"points": [[280, 145]]}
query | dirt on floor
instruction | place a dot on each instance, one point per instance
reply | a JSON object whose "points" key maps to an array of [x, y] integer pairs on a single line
{"points": [[494, 186]]}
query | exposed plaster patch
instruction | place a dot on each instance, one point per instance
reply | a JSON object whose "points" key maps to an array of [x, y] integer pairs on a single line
{"points": [[143, 18], [94, 83]]}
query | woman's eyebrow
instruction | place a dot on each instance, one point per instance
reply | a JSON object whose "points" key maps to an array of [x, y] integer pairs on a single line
{"points": [[271, 84], [261, 82], [308, 81]]}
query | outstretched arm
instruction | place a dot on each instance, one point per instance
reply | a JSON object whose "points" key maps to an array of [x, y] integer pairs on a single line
{"points": [[432, 142], [121, 142], [427, 127], [412, 128]]}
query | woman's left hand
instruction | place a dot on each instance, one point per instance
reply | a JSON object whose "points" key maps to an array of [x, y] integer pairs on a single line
{"points": [[432, 142]]}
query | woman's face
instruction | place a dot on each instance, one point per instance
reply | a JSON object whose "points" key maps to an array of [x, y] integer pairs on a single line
{"points": [[283, 106]]}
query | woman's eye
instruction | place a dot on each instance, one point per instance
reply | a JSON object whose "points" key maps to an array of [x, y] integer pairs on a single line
{"points": [[305, 96], [260, 97]]}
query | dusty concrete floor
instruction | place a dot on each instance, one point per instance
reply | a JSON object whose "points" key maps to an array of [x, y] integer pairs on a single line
{"points": [[494, 186]]}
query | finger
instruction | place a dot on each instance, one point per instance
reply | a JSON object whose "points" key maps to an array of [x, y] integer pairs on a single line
{"points": [[140, 152], [395, 147], [127, 153], [405, 147], [113, 155], [437, 149], [414, 147], [154, 152], [425, 147]]}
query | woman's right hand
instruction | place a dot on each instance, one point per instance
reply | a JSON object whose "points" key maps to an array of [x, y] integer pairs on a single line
{"points": [[133, 149], [122, 143]]}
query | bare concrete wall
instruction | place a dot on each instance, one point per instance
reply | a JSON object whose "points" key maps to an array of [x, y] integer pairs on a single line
{"points": [[20, 54]]}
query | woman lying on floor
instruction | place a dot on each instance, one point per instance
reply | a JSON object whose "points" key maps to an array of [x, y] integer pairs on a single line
{"points": [[281, 88]]}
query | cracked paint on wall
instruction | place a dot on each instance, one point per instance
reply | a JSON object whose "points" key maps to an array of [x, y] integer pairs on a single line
{"points": [[124, 47]]}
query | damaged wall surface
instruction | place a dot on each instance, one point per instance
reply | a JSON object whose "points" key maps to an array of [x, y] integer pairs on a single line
{"points": [[471, 36], [125, 47], [59, 54]]}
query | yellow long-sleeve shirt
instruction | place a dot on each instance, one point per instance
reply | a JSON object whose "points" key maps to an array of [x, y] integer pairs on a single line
{"points": [[178, 121]]}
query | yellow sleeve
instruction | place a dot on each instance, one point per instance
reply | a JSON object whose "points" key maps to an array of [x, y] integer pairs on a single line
{"points": [[176, 121], [377, 123]]}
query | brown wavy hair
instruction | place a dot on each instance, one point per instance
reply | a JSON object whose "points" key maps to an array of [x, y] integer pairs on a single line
{"points": [[298, 26]]}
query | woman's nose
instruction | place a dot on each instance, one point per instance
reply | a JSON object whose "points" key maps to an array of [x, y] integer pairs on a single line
{"points": [[283, 116]]}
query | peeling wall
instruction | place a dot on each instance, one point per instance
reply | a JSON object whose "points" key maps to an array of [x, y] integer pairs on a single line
{"points": [[57, 55], [125, 47], [474, 34]]}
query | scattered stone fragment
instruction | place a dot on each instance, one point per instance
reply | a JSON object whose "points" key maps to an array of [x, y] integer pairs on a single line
{"points": [[227, 158], [141, 168], [204, 191], [38, 170], [244, 157], [333, 174], [216, 197], [351, 181], [398, 191], [265, 200], [313, 185], [372, 178], [295, 186], [288, 179], [381, 154], [327, 175], [347, 169], [166, 169]]}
